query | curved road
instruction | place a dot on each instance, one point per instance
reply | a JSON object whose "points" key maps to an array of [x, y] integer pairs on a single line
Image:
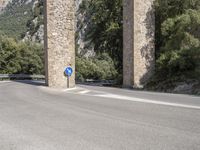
{"points": [[34, 117]]}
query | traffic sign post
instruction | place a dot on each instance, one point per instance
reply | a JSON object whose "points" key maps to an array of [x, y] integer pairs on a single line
{"points": [[67, 81], [68, 72]]}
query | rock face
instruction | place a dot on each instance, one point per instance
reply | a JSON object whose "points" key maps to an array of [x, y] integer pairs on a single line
{"points": [[82, 21], [59, 41], [35, 31], [37, 36], [3, 4], [80, 25], [139, 51]]}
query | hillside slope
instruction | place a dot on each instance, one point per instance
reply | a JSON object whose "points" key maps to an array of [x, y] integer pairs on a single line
{"points": [[14, 16]]}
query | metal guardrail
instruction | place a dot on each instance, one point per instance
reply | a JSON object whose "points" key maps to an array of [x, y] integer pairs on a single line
{"points": [[42, 77], [21, 76]]}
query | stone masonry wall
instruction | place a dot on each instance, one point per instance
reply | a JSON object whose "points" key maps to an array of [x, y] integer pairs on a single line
{"points": [[128, 43], [139, 49], [59, 41]]}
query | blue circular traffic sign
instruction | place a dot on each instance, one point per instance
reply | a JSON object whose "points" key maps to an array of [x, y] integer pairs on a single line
{"points": [[68, 71]]}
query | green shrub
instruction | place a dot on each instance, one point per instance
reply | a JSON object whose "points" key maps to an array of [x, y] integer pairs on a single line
{"points": [[32, 58], [20, 57], [182, 62], [99, 68], [9, 56], [179, 54]]}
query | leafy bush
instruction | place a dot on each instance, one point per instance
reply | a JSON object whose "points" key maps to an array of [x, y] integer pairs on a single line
{"points": [[20, 57], [182, 62], [99, 68], [104, 27], [178, 39]]}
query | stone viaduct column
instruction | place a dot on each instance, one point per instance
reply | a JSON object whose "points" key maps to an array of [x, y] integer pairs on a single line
{"points": [[139, 49], [59, 41], [138, 53]]}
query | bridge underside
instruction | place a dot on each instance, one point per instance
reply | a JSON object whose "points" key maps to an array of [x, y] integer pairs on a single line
{"points": [[138, 53]]}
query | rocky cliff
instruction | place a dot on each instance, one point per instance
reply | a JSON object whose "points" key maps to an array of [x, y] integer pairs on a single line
{"points": [[24, 19], [82, 21], [35, 32], [3, 4]]}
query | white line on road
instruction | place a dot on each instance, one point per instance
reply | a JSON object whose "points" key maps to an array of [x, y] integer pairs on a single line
{"points": [[113, 96], [5, 81], [70, 89], [84, 92]]}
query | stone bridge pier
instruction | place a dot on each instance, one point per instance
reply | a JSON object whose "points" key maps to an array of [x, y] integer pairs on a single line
{"points": [[138, 53], [59, 41], [138, 47]]}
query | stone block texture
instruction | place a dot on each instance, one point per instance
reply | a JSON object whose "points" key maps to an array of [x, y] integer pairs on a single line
{"points": [[139, 49], [59, 41]]}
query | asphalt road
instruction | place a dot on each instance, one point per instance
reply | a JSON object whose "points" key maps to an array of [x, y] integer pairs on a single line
{"points": [[34, 117]]}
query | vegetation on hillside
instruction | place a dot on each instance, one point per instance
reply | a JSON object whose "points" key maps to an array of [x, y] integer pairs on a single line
{"points": [[17, 57], [101, 67], [177, 36], [13, 21], [177, 41], [103, 19], [20, 57]]}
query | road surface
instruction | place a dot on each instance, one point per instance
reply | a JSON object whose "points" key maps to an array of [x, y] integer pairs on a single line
{"points": [[34, 117]]}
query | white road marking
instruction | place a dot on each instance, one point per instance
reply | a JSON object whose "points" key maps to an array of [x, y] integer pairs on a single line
{"points": [[70, 89], [5, 82], [84, 92], [113, 96]]}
